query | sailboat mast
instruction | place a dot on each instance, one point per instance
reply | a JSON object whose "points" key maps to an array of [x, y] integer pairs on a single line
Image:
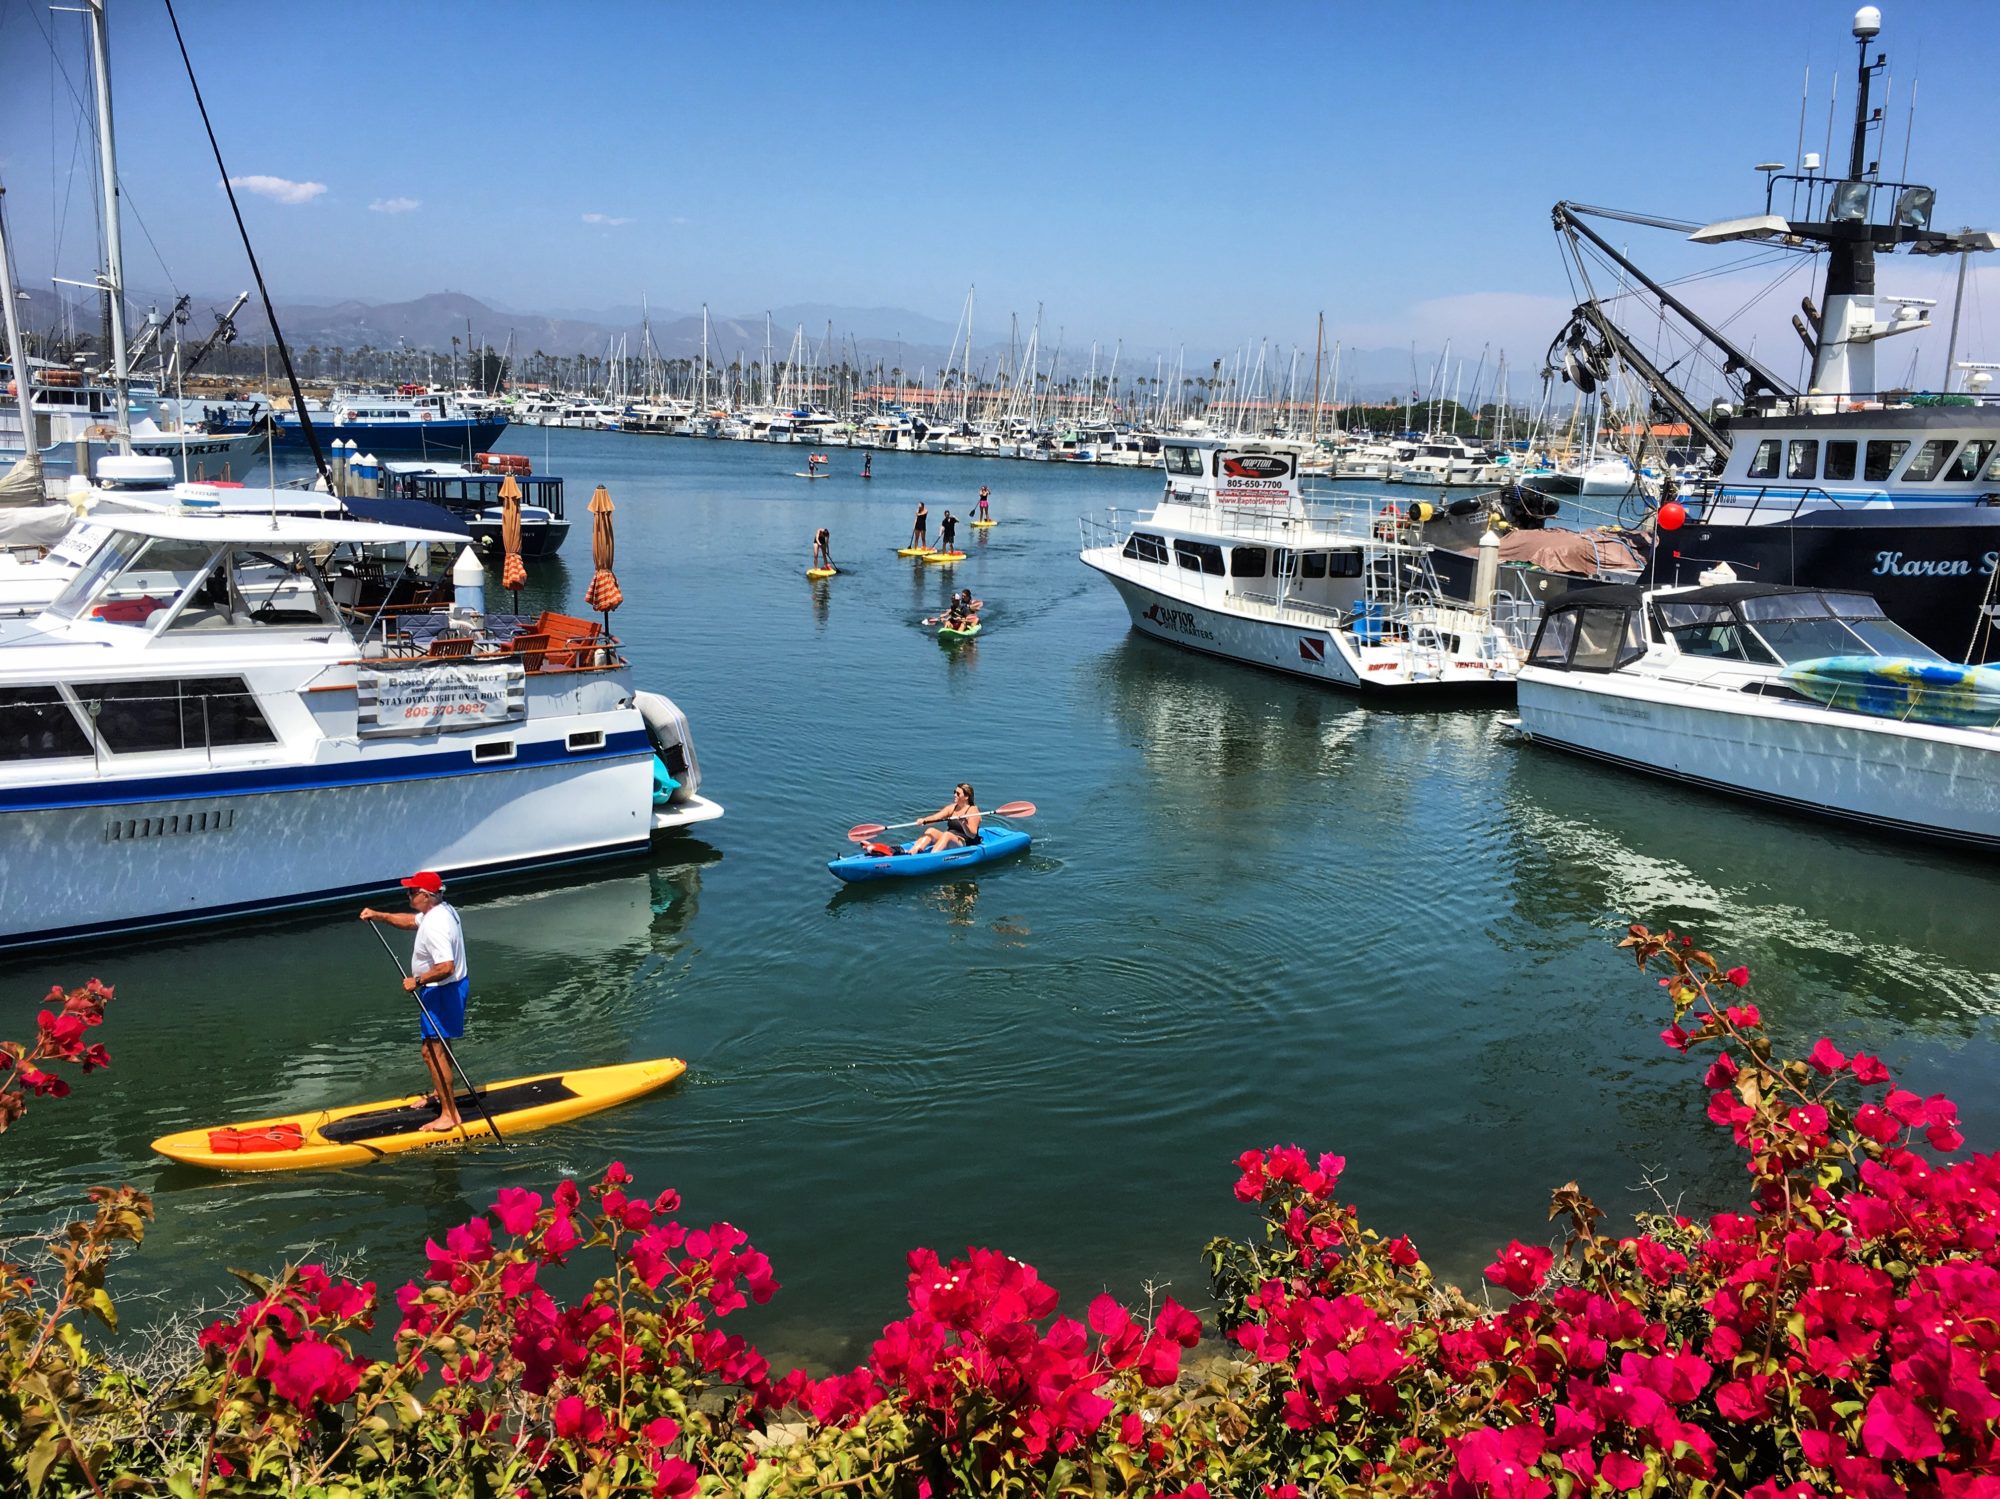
{"points": [[1319, 353], [113, 277], [16, 350]]}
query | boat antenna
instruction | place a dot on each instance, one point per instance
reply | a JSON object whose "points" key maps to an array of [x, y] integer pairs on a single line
{"points": [[270, 313]]}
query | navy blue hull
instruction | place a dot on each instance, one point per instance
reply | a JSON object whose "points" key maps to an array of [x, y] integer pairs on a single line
{"points": [[438, 439]]}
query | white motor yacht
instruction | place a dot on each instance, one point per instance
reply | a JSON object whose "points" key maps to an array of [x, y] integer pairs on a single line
{"points": [[1808, 699], [224, 714], [1231, 562]]}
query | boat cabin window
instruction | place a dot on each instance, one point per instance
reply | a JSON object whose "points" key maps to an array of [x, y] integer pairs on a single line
{"points": [[1808, 626], [1248, 562], [1711, 631], [1553, 640], [1764, 462], [171, 713], [1929, 461], [1184, 461], [249, 589], [36, 724], [1802, 461], [1884, 453], [1199, 556], [131, 578], [1864, 617], [1840, 459], [1971, 459], [1607, 639], [1145, 547]]}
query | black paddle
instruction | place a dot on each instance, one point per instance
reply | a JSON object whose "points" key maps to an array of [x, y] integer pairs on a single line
{"points": [[451, 1057]]}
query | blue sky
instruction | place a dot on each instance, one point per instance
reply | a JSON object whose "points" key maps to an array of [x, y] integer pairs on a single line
{"points": [[1154, 172]]}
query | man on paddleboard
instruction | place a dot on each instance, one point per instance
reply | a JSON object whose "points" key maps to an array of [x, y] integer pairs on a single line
{"points": [[920, 533], [947, 528], [437, 968]]}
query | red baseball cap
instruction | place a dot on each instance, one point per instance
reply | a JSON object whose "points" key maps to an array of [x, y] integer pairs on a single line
{"points": [[427, 881]]}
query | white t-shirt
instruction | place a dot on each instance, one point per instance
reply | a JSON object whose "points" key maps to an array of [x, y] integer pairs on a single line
{"points": [[439, 940]]}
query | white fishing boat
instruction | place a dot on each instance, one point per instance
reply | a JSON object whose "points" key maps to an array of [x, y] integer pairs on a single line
{"points": [[226, 714], [1448, 463], [1233, 563], [1808, 699]]}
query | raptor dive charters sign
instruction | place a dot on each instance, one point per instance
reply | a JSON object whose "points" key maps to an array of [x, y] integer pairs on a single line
{"points": [[1178, 621], [1255, 478]]}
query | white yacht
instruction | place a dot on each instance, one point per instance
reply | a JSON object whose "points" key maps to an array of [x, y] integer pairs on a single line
{"points": [[1231, 562], [1448, 463], [1805, 698], [222, 714]]}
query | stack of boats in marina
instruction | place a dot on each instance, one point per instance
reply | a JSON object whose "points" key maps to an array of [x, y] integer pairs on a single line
{"points": [[1792, 628]]}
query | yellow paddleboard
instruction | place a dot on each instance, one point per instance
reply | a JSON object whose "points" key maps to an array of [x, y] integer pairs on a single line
{"points": [[980, 525], [913, 551], [944, 556], [364, 1132], [821, 572]]}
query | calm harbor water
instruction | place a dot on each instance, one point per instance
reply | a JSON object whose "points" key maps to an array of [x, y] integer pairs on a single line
{"points": [[1255, 911]]}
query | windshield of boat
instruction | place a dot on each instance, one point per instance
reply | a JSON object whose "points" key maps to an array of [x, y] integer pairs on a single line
{"points": [[1809, 626], [131, 578], [251, 588]]}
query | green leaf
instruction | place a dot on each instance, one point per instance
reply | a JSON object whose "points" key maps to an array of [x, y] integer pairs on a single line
{"points": [[48, 1447], [180, 1485], [99, 1302]]}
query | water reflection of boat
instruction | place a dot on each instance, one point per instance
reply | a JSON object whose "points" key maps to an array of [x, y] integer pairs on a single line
{"points": [[1876, 936], [592, 919]]}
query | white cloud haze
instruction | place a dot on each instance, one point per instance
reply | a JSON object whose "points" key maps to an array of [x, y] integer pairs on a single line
{"points": [[279, 189], [610, 221], [395, 205]]}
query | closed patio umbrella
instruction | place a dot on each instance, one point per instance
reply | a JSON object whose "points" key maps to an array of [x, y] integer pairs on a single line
{"points": [[603, 594], [513, 571]]}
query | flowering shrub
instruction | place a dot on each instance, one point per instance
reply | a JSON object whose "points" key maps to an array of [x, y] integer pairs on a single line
{"points": [[1837, 1335]]}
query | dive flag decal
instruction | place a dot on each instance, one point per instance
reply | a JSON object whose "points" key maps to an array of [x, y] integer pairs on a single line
{"points": [[1311, 649]]}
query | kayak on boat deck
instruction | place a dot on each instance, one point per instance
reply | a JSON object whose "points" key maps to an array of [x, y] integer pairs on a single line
{"points": [[364, 1132], [994, 843]]}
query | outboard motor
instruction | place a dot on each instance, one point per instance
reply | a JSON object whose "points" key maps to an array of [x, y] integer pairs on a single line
{"points": [[673, 743]]}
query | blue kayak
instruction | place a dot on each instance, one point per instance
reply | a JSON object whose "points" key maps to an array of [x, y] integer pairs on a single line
{"points": [[994, 843]]}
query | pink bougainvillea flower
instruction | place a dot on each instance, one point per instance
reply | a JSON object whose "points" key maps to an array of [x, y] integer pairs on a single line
{"points": [[1740, 977], [1897, 1425], [1869, 1069], [1520, 1268], [1825, 1058], [1743, 1017], [516, 1210], [576, 1420]]}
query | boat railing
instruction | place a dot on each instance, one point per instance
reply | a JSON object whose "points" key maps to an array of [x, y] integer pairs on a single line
{"points": [[542, 644], [1786, 501]]}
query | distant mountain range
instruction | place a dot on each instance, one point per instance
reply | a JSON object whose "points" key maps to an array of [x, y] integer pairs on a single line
{"points": [[894, 336]]}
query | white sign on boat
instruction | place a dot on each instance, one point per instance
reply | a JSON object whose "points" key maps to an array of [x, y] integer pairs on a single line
{"points": [[424, 699]]}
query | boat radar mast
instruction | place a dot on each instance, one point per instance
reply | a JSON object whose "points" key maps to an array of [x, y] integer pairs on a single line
{"points": [[1851, 218]]}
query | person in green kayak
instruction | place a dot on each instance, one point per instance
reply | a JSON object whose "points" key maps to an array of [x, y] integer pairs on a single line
{"points": [[954, 825], [438, 969]]}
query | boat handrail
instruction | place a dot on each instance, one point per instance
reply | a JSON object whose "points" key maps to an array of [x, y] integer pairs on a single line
{"points": [[1718, 492]]}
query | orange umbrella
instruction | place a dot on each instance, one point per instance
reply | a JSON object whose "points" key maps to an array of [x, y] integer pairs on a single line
{"points": [[513, 571], [603, 594]]}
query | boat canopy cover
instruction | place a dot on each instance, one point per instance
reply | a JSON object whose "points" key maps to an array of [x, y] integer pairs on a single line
{"points": [[1631, 596], [272, 530], [416, 514]]}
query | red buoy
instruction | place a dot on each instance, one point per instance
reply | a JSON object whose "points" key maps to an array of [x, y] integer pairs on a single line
{"points": [[1673, 515]]}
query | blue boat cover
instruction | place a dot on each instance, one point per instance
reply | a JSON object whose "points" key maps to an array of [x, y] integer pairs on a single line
{"points": [[417, 513]]}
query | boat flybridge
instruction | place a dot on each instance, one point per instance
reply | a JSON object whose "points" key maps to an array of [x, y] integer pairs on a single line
{"points": [[1807, 698], [1233, 563], [224, 713]]}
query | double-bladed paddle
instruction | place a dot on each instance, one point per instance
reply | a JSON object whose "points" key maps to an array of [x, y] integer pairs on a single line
{"points": [[867, 830]]}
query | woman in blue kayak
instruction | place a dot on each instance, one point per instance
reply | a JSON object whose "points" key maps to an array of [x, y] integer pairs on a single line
{"points": [[958, 823]]}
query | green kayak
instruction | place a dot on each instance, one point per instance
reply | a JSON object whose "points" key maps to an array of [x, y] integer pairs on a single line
{"points": [[948, 636]]}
